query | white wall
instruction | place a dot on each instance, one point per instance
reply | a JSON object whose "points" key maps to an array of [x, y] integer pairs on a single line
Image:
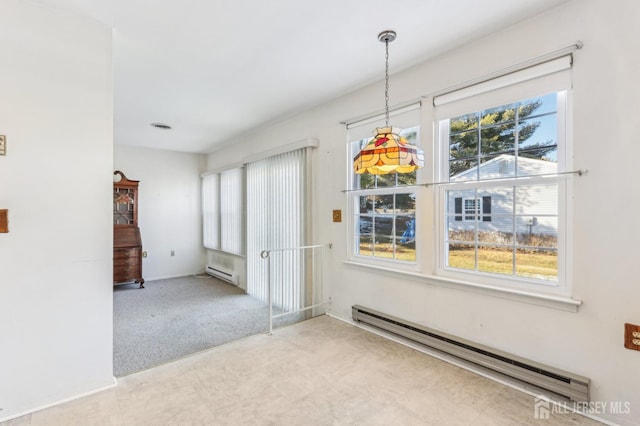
{"points": [[587, 342], [169, 209], [56, 261]]}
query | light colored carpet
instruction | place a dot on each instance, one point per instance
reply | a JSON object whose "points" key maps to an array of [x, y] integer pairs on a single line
{"points": [[172, 318]]}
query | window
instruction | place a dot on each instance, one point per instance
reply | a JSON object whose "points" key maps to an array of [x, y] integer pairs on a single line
{"points": [[491, 211], [383, 218], [222, 206], [502, 195]]}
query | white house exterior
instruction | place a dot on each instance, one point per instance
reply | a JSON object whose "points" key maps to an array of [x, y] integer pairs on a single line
{"points": [[500, 209]]}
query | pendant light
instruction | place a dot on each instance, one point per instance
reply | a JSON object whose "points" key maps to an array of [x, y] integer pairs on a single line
{"points": [[388, 152]]}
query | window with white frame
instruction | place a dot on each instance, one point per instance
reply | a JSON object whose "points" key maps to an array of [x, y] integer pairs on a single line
{"points": [[222, 211], [502, 195], [383, 207]]}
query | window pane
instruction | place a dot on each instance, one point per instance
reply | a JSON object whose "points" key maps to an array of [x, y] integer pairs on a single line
{"points": [[537, 132], [405, 203], [545, 104], [495, 260], [532, 167], [461, 231], [464, 123], [537, 264], [463, 145], [365, 245], [405, 229], [405, 251], [405, 237], [461, 256], [537, 231], [460, 170], [498, 115], [537, 199], [383, 181], [384, 204], [383, 226], [366, 203], [498, 139], [364, 225], [538, 152], [407, 178], [498, 231], [383, 247], [496, 166], [456, 203], [364, 181]]}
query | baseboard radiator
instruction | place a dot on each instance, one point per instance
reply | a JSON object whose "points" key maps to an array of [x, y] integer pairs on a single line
{"points": [[222, 274], [561, 383]]}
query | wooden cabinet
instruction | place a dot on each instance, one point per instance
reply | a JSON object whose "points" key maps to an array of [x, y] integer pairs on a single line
{"points": [[127, 243]]}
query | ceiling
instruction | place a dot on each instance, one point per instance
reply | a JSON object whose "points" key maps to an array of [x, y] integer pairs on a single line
{"points": [[215, 69]]}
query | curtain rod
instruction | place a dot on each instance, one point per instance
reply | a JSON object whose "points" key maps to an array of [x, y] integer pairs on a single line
{"points": [[579, 172]]}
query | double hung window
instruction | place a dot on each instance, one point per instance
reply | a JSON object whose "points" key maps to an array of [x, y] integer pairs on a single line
{"points": [[502, 194], [384, 206], [496, 209]]}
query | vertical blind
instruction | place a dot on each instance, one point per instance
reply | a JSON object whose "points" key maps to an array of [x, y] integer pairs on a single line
{"points": [[275, 219], [231, 195], [210, 211], [222, 218]]}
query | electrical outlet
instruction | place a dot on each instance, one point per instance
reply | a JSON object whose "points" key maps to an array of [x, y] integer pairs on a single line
{"points": [[144, 253], [173, 252], [3, 145], [632, 336], [337, 215]]}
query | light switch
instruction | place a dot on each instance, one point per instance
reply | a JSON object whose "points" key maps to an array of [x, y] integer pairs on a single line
{"points": [[3, 145], [337, 215], [4, 221]]}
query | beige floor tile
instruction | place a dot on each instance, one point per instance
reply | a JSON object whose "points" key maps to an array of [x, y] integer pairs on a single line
{"points": [[318, 372]]}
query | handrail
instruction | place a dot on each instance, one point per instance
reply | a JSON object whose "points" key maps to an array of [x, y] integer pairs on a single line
{"points": [[264, 254]]}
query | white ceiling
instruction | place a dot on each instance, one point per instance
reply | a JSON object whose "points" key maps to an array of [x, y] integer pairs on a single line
{"points": [[214, 69]]}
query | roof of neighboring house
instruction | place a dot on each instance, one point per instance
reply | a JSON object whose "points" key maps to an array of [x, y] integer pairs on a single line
{"points": [[504, 166]]}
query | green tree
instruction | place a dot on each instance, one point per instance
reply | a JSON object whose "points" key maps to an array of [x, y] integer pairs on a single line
{"points": [[487, 134]]}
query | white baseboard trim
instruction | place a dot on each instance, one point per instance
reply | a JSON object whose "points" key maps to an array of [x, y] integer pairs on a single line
{"points": [[168, 277], [461, 363], [62, 401]]}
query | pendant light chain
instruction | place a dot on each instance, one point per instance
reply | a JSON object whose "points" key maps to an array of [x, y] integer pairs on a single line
{"points": [[386, 83]]}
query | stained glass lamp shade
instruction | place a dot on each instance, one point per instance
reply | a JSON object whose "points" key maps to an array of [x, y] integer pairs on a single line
{"points": [[388, 152]]}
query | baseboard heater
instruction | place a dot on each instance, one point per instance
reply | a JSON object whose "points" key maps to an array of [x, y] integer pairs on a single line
{"points": [[561, 383], [222, 274]]}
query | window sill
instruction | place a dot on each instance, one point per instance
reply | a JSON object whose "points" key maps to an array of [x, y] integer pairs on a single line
{"points": [[551, 301], [228, 253]]}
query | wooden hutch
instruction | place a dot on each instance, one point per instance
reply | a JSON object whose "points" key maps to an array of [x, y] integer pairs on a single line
{"points": [[127, 244]]}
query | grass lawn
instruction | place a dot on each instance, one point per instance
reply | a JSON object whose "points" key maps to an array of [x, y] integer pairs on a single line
{"points": [[539, 265], [406, 253]]}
